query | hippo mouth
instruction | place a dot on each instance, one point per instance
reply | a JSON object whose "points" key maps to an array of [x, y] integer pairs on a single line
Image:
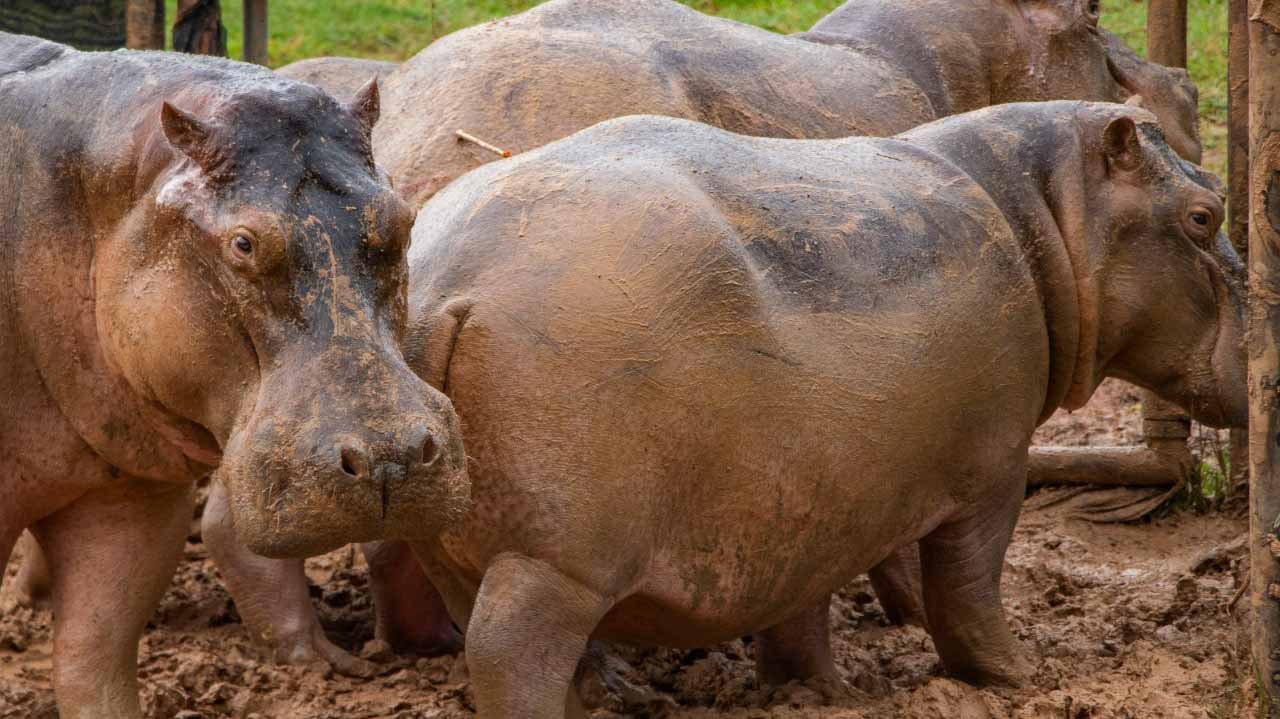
{"points": [[292, 519]]}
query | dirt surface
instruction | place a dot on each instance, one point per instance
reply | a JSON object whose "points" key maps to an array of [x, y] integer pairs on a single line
{"points": [[1123, 621]]}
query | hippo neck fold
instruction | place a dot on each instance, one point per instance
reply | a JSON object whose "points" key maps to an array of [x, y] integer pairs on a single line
{"points": [[1043, 203]]}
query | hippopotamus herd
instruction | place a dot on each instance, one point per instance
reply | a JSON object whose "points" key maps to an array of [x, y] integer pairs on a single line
{"points": [[709, 361]]}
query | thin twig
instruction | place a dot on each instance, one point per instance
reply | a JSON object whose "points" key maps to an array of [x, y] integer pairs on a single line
{"points": [[463, 135], [1239, 593]]}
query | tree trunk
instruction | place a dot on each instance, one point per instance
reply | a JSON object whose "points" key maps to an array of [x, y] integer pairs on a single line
{"points": [[85, 24], [1264, 350]]}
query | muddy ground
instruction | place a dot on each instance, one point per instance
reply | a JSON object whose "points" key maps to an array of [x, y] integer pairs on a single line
{"points": [[1121, 621]]}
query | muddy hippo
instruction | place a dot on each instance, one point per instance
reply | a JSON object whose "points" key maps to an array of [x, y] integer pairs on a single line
{"points": [[341, 77], [871, 67], [706, 379], [200, 268]]}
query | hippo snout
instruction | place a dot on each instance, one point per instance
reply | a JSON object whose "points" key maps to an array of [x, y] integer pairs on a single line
{"points": [[382, 460], [384, 467]]}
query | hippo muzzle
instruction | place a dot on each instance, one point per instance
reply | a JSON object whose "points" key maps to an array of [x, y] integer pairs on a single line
{"points": [[345, 446]]}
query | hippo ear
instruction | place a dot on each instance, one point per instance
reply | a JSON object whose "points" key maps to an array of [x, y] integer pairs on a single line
{"points": [[367, 105], [190, 136], [1120, 143]]}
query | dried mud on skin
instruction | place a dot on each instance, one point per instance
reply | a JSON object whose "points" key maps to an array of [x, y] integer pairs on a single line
{"points": [[1122, 621]]}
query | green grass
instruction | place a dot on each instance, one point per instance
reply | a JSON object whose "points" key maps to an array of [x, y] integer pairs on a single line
{"points": [[396, 29]]}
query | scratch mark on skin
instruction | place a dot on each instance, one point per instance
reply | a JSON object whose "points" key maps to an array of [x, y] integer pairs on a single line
{"points": [[784, 360], [333, 283]]}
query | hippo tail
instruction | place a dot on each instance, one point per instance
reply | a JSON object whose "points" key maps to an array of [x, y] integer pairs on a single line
{"points": [[24, 53], [432, 341]]}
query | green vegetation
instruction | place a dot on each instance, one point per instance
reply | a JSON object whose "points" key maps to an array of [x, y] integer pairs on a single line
{"points": [[396, 29]]}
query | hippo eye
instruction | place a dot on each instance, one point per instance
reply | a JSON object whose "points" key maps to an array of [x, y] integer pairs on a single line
{"points": [[1200, 223], [242, 245]]}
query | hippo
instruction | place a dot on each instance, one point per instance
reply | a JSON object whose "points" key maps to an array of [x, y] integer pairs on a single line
{"points": [[201, 270], [341, 77], [871, 67], [706, 379]]}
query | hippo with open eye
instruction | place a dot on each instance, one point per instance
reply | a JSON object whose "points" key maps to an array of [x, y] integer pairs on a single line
{"points": [[871, 67], [200, 267], [706, 379]]}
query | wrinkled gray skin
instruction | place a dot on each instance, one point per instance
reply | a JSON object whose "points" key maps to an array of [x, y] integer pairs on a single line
{"points": [[871, 67], [707, 379], [200, 268], [341, 77]]}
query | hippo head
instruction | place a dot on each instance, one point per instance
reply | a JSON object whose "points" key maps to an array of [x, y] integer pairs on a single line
{"points": [[1169, 288], [270, 267], [1069, 57]]}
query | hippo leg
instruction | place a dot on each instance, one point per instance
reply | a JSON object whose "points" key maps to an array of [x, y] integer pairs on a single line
{"points": [[111, 555], [896, 582], [411, 615], [271, 595], [797, 648], [962, 561], [528, 629], [31, 585]]}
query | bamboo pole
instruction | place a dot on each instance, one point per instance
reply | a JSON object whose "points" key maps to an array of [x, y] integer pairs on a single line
{"points": [[1264, 353], [1167, 32]]}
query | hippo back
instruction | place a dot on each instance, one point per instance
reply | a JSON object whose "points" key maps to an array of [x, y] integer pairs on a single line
{"points": [[21, 53], [523, 81], [711, 317], [341, 77]]}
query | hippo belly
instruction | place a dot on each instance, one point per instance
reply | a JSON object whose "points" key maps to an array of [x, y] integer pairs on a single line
{"points": [[717, 415]]}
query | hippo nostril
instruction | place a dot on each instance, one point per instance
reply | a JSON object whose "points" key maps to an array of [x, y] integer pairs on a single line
{"points": [[430, 449], [354, 461]]}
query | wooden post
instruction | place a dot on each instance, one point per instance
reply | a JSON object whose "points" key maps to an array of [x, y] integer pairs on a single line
{"points": [[255, 31], [144, 25], [1238, 125], [198, 28], [1238, 177], [1264, 347], [1167, 32]]}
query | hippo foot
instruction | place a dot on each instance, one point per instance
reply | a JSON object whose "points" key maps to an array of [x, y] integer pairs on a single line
{"points": [[1014, 672], [602, 683], [312, 648], [831, 688]]}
